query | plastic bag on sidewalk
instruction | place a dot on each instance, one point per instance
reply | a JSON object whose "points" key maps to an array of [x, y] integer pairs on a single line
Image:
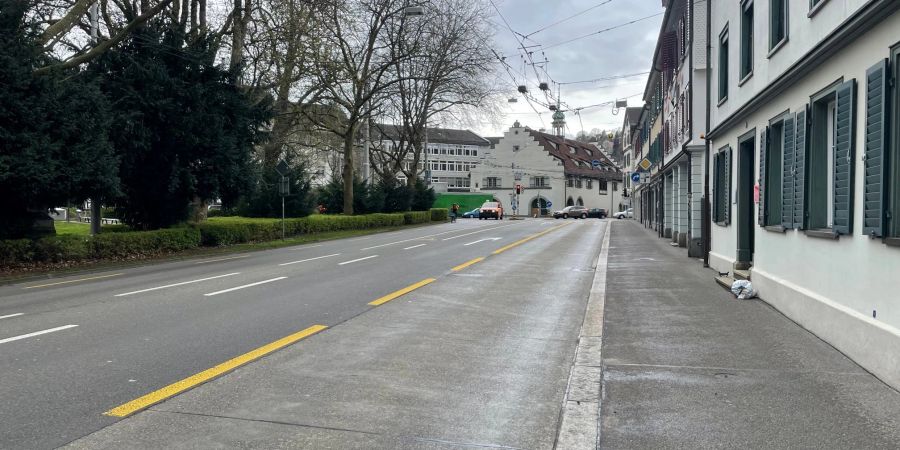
{"points": [[743, 289]]}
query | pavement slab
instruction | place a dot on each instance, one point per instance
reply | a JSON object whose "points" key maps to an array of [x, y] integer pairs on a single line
{"points": [[686, 365]]}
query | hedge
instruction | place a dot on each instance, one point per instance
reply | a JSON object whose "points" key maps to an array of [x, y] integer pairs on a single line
{"points": [[439, 214], [217, 231]]}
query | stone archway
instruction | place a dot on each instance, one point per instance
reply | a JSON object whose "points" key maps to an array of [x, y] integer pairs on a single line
{"points": [[570, 202], [579, 202], [543, 207]]}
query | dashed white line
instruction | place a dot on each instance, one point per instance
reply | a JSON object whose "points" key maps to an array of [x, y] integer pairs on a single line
{"points": [[244, 286], [407, 248], [304, 247], [479, 231], [36, 333], [177, 284], [410, 239], [308, 259], [222, 259], [11, 315], [358, 259]]}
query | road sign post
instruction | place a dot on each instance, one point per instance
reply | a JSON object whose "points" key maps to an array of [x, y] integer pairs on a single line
{"points": [[284, 187]]}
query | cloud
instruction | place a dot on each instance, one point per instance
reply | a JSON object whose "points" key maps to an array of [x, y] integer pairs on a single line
{"points": [[625, 50]]}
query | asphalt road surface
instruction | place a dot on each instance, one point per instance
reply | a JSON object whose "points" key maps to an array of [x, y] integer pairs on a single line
{"points": [[72, 348]]}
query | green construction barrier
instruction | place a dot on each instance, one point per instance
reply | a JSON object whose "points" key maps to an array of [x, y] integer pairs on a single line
{"points": [[467, 202]]}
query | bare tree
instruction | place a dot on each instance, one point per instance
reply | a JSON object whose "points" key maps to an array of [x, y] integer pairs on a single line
{"points": [[353, 69]]}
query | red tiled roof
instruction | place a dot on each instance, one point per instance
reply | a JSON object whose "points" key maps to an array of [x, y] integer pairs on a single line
{"points": [[578, 162]]}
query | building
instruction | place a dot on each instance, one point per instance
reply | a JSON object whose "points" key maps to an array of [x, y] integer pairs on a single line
{"points": [[667, 133], [554, 172], [630, 125], [805, 166], [450, 155]]}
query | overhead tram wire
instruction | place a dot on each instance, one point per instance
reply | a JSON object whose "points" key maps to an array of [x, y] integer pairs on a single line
{"points": [[602, 31], [566, 19]]}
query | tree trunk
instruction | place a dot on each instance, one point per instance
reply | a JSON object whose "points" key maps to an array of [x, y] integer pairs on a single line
{"points": [[347, 168], [96, 216], [198, 209], [237, 37]]}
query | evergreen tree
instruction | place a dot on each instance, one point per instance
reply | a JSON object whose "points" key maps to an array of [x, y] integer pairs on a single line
{"points": [[53, 131], [182, 130]]}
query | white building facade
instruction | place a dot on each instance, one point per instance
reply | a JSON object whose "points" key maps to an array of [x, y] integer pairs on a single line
{"points": [[554, 172], [805, 165]]}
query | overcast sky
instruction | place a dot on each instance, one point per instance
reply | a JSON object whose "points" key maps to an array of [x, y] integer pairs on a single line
{"points": [[622, 51]]}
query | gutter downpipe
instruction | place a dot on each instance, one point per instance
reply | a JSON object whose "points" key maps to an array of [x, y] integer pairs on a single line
{"points": [[707, 228]]}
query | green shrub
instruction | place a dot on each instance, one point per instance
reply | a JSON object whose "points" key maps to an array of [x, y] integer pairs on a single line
{"points": [[439, 214], [118, 228], [413, 217], [68, 247], [144, 243], [16, 251]]}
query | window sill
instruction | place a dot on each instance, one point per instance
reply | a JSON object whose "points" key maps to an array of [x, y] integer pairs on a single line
{"points": [[722, 100], [746, 77], [774, 228], [777, 47], [815, 9], [822, 233], [722, 224]]}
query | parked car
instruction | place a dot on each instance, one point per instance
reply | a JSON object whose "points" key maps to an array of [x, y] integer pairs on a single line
{"points": [[628, 213], [599, 213], [491, 210], [571, 211], [471, 214]]}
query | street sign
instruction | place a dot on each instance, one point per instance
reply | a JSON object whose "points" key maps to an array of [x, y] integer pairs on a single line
{"points": [[549, 203], [645, 164], [595, 163], [284, 188], [636, 177], [282, 168]]}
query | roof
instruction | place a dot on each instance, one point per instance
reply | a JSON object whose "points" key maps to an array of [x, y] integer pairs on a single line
{"points": [[494, 140], [577, 156], [439, 135], [633, 114]]}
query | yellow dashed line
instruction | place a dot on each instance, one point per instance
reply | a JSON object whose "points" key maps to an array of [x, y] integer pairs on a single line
{"points": [[522, 241], [467, 264], [208, 374], [401, 292]]}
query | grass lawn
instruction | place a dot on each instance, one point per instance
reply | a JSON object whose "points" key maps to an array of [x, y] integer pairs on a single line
{"points": [[79, 228]]}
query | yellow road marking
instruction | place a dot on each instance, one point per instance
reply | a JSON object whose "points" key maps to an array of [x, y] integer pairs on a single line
{"points": [[401, 292], [522, 241], [71, 281], [467, 264], [208, 374]]}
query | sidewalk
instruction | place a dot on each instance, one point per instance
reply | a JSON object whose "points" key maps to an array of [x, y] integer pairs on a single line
{"points": [[479, 358], [686, 365]]}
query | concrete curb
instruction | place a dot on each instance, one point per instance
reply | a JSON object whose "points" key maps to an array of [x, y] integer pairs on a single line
{"points": [[580, 424]]}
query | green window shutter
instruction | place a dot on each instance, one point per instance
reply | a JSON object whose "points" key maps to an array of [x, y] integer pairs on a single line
{"points": [[877, 129], [787, 174], [726, 197], [763, 148], [799, 171], [845, 109], [717, 188]]}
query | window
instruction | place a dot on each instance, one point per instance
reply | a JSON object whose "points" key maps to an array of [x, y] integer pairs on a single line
{"points": [[830, 159], [881, 177], [723, 65], [538, 182], [468, 152], [474, 152], [772, 143], [722, 186], [515, 148], [746, 40], [590, 184], [603, 186], [778, 22], [615, 186], [491, 182], [570, 182], [578, 183]]}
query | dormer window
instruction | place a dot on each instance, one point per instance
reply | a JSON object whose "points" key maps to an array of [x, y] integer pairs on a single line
{"points": [[571, 150]]}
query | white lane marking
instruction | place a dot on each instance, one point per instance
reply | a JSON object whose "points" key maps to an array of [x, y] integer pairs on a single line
{"points": [[177, 284], [407, 248], [359, 259], [308, 259], [11, 315], [304, 247], [407, 240], [36, 333], [244, 286], [479, 231], [222, 259], [482, 240]]}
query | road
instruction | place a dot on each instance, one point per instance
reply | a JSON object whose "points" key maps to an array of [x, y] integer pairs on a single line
{"points": [[73, 348]]}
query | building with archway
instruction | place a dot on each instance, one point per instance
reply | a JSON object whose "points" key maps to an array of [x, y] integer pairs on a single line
{"points": [[551, 171]]}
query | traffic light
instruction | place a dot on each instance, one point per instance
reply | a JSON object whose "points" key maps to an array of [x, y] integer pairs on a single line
{"points": [[519, 189]]}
